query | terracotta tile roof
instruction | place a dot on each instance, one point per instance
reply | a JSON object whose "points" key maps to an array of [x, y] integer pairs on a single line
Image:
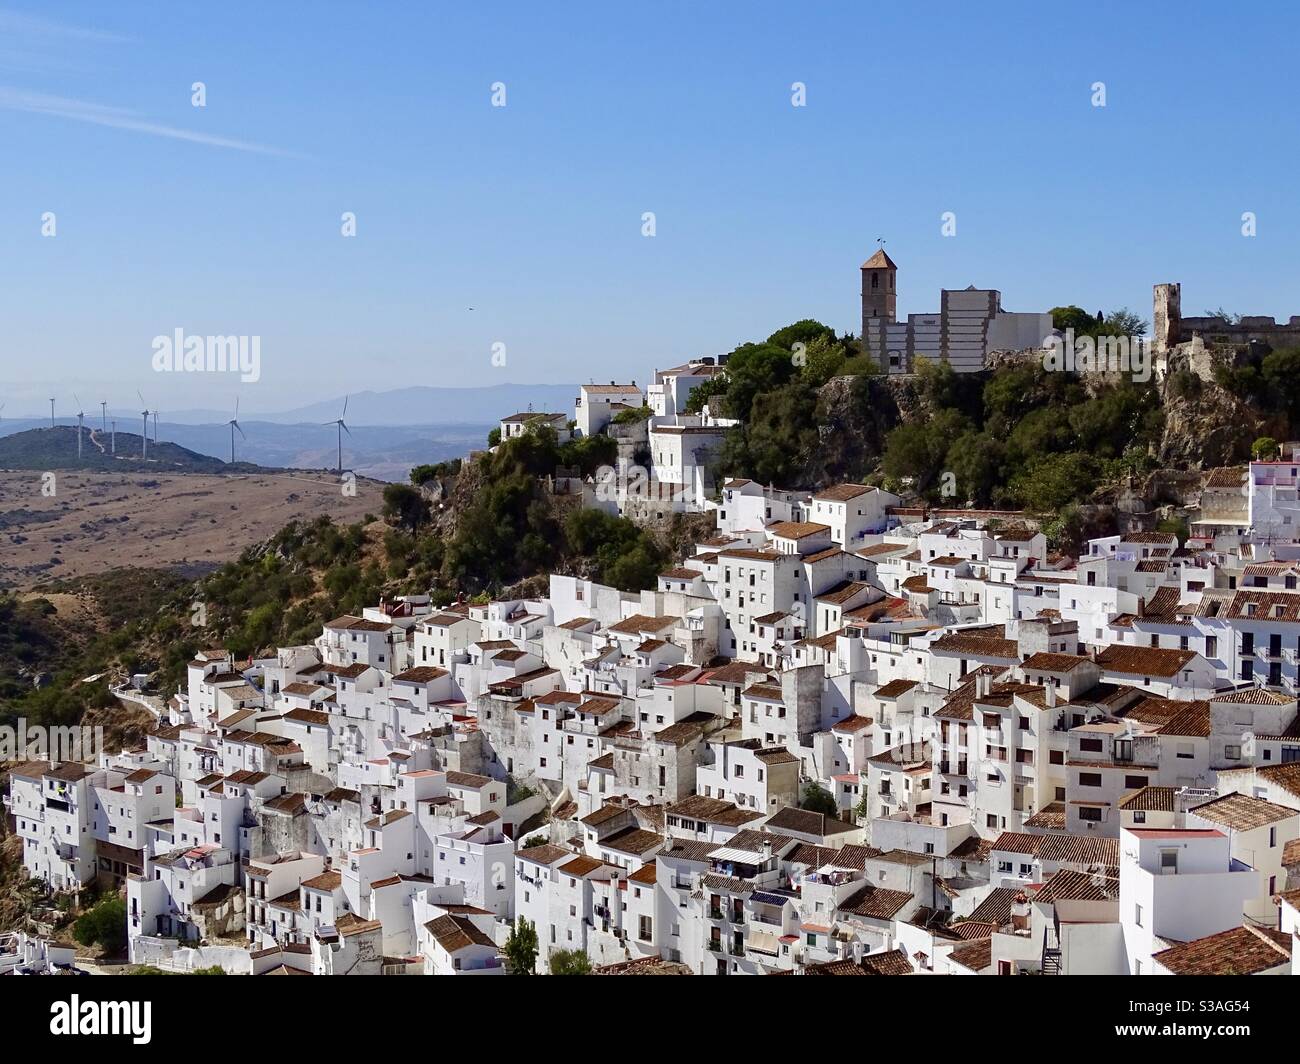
{"points": [[420, 674], [879, 261], [843, 591], [977, 645], [975, 957], [1045, 662], [806, 822], [307, 716], [852, 856], [580, 866], [1143, 661], [324, 881], [455, 933], [881, 548], [1233, 477], [1240, 951], [545, 854], [996, 906], [1254, 696], [645, 874], [1267, 605], [796, 529], [895, 688], [1285, 776], [633, 840], [875, 903], [689, 850], [1016, 842], [1243, 812], [640, 623], [842, 492], [1150, 799], [1051, 816], [755, 555], [1069, 884], [1192, 721]]}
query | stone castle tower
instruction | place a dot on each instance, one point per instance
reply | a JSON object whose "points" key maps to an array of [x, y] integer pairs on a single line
{"points": [[879, 291], [1166, 316]]}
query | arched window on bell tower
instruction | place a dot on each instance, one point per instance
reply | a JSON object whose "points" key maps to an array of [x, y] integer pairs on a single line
{"points": [[875, 280]]}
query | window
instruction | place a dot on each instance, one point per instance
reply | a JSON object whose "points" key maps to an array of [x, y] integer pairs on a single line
{"points": [[1137, 915], [1168, 862], [1090, 813]]}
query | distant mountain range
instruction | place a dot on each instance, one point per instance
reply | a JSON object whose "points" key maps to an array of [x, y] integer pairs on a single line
{"points": [[435, 406], [390, 431], [56, 448], [382, 453], [398, 406]]}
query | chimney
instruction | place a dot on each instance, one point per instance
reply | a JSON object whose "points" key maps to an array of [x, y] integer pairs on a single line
{"points": [[1051, 696]]}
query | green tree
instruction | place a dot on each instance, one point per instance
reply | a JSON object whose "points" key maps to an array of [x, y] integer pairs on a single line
{"points": [[521, 948], [817, 799], [1124, 322], [1047, 483], [494, 436], [918, 450], [1177, 525], [1281, 372], [1076, 318], [569, 962], [708, 392], [975, 459], [632, 416], [405, 505], [1264, 449], [104, 925]]}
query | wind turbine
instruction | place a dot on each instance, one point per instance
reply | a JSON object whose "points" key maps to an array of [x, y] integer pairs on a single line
{"points": [[155, 429], [81, 416], [51, 413], [103, 415], [234, 424], [342, 429], [113, 437], [144, 438]]}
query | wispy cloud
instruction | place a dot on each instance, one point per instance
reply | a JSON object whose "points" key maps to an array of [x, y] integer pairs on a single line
{"points": [[120, 118], [18, 22], [33, 44]]}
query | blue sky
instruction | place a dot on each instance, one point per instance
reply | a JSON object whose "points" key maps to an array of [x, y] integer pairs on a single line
{"points": [[531, 213]]}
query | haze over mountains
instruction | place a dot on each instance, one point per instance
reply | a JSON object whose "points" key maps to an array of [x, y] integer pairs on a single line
{"points": [[390, 431]]}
